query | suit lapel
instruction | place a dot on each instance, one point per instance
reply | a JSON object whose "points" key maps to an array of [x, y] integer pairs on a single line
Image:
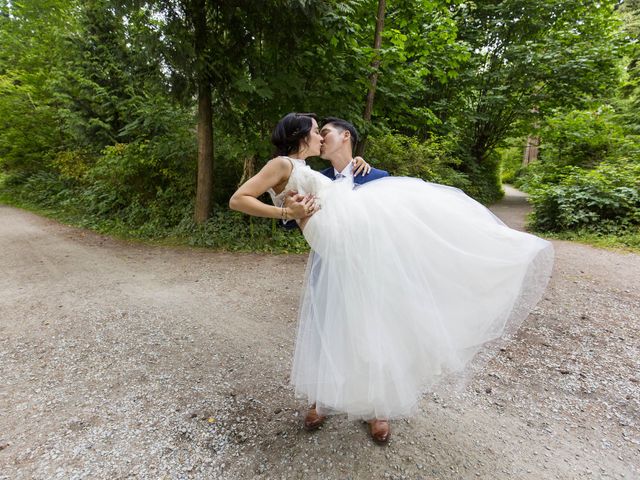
{"points": [[329, 172]]}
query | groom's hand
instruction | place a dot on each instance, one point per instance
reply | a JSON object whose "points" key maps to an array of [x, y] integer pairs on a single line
{"points": [[360, 166]]}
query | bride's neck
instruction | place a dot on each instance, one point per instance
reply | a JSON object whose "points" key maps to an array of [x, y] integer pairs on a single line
{"points": [[298, 156]]}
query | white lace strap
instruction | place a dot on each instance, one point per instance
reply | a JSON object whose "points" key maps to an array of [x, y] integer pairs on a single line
{"points": [[291, 162]]}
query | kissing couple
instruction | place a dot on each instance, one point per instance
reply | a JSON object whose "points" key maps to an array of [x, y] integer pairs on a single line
{"points": [[407, 283]]}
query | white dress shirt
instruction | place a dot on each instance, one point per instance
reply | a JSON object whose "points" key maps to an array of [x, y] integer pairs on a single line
{"points": [[346, 172]]}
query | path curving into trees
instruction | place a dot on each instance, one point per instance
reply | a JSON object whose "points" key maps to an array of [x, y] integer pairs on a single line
{"points": [[122, 359]]}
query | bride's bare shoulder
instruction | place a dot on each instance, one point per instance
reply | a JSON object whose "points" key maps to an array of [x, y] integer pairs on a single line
{"points": [[281, 159], [280, 162]]}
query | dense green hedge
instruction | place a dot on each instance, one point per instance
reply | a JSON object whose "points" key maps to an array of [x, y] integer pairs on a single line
{"points": [[603, 200], [587, 178]]}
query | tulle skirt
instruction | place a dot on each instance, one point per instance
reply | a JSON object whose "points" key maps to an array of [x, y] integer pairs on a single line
{"points": [[409, 285]]}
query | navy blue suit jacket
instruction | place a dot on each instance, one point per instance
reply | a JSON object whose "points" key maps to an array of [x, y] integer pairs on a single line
{"points": [[374, 174]]}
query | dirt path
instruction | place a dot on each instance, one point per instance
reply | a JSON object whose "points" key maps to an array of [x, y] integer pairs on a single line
{"points": [[121, 360]]}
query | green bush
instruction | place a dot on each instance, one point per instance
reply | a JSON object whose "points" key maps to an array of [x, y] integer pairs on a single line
{"points": [[146, 180], [484, 179], [44, 189], [29, 131], [584, 138], [603, 200], [235, 231], [575, 142], [432, 160], [159, 221], [587, 178], [540, 175]]}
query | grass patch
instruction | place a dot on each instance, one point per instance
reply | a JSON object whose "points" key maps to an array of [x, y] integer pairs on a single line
{"points": [[626, 242]]}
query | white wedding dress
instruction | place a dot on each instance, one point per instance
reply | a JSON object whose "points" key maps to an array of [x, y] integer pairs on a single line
{"points": [[408, 281]]}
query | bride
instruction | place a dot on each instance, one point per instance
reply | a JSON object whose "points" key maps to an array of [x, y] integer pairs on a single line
{"points": [[408, 280]]}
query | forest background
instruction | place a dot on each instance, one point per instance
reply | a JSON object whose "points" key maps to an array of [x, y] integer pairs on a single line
{"points": [[140, 118]]}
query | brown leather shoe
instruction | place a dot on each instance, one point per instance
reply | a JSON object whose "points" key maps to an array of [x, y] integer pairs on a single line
{"points": [[313, 421], [380, 431]]}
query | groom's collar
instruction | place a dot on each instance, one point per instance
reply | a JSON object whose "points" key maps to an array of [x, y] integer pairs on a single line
{"points": [[347, 172]]}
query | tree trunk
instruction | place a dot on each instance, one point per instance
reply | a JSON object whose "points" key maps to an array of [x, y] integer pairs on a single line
{"points": [[375, 65], [531, 150], [204, 188]]}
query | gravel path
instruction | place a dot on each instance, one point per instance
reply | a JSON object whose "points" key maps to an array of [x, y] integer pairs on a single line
{"points": [[121, 360]]}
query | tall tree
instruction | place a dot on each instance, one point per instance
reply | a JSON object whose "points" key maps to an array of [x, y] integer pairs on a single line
{"points": [[197, 15], [420, 57], [525, 59], [375, 64], [528, 57]]}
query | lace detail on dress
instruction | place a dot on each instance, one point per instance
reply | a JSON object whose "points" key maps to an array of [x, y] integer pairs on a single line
{"points": [[302, 179]]}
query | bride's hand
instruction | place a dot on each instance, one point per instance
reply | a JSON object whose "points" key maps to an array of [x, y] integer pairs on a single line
{"points": [[360, 166], [300, 206], [291, 197]]}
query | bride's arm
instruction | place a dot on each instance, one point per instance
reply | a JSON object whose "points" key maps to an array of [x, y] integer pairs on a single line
{"points": [[360, 166], [274, 173]]}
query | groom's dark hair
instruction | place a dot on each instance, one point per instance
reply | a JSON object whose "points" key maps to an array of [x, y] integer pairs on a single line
{"points": [[343, 125]]}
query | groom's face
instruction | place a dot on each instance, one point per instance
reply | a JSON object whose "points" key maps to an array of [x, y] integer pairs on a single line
{"points": [[333, 140]]}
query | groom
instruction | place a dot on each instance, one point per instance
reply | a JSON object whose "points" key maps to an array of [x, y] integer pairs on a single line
{"points": [[339, 140]]}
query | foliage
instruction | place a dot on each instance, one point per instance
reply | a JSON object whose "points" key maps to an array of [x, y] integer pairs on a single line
{"points": [[526, 58], [605, 199], [576, 141], [29, 126], [430, 160], [584, 138], [587, 177], [237, 232], [486, 186], [97, 110], [51, 195], [511, 155]]}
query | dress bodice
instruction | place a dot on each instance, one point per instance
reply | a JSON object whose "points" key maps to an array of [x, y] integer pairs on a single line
{"points": [[303, 180]]}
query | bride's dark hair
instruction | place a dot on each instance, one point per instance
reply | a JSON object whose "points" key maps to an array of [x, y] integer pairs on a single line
{"points": [[291, 131]]}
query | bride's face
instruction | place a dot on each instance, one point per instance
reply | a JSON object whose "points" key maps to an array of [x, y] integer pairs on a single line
{"points": [[313, 141]]}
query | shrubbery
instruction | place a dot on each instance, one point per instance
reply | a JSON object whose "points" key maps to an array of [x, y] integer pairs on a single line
{"points": [[603, 200], [584, 138], [511, 160], [587, 178], [433, 160]]}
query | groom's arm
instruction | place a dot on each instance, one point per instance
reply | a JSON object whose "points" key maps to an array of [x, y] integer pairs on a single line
{"points": [[374, 174], [377, 173]]}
